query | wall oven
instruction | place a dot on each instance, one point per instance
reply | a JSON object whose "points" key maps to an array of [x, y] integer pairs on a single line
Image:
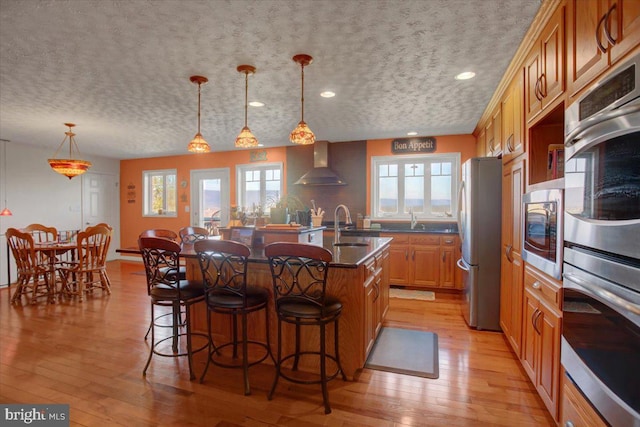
{"points": [[600, 348], [542, 230]]}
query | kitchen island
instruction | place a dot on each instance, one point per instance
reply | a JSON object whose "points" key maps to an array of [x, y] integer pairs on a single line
{"points": [[358, 276]]}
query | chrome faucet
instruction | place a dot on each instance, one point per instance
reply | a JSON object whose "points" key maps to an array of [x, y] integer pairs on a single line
{"points": [[336, 223], [414, 220]]}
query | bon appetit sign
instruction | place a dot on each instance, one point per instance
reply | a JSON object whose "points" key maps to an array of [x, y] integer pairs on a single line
{"points": [[425, 144]]}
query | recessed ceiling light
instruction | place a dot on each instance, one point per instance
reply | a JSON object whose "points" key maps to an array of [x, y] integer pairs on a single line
{"points": [[465, 75], [256, 104], [412, 133], [327, 94]]}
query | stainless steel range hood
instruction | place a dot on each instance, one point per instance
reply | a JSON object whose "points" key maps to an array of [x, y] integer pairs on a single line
{"points": [[321, 174]]}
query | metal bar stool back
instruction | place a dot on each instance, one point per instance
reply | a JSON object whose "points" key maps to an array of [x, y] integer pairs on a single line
{"points": [[299, 273], [224, 270]]}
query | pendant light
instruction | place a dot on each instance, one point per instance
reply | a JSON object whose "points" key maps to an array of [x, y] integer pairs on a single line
{"points": [[246, 139], [72, 166], [302, 134], [5, 211], [198, 144]]}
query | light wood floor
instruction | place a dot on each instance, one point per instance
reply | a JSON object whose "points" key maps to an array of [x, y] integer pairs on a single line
{"points": [[91, 354]]}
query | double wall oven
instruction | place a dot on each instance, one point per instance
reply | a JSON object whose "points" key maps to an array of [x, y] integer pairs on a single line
{"points": [[600, 348]]}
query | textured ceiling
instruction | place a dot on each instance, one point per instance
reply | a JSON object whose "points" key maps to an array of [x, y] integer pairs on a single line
{"points": [[120, 69]]}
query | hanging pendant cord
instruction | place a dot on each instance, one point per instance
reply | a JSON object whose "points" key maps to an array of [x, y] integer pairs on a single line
{"points": [[302, 92], [199, 84], [246, 95]]}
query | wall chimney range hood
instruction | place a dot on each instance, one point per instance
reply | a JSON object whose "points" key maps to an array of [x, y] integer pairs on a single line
{"points": [[321, 174]]}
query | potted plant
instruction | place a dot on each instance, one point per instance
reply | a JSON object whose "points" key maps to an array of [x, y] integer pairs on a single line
{"points": [[282, 206]]}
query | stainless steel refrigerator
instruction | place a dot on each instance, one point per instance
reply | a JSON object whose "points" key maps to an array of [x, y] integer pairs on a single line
{"points": [[479, 219]]}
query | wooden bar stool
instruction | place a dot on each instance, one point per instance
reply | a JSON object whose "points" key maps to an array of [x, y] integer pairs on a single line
{"points": [[299, 273], [224, 270]]}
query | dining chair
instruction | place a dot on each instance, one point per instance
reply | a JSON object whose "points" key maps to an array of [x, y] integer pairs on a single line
{"points": [[161, 257], [160, 232], [299, 273], [33, 280], [88, 271], [42, 233], [224, 272]]}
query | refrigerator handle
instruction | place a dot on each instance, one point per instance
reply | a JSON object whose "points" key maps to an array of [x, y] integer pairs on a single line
{"points": [[460, 224], [461, 265]]}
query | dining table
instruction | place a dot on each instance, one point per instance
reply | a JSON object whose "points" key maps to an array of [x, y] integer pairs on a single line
{"points": [[49, 252]]}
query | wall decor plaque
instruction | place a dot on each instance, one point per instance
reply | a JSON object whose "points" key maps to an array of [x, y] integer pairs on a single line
{"points": [[425, 144]]}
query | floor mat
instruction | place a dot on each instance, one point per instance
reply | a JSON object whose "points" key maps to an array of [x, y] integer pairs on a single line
{"points": [[411, 294], [405, 351]]}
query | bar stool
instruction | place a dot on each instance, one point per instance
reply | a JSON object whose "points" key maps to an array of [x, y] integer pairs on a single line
{"points": [[224, 271], [299, 273], [161, 259]]}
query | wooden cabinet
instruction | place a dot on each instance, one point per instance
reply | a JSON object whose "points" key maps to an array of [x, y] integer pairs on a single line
{"points": [[512, 137], [575, 410], [376, 291], [599, 33], [512, 271], [494, 133], [541, 329], [544, 67], [424, 260], [481, 143]]}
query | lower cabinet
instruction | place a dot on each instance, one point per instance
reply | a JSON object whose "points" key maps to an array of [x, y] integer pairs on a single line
{"points": [[376, 291], [541, 330], [424, 260], [575, 410]]}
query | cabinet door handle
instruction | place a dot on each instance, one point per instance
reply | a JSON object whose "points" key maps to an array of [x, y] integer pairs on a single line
{"points": [[406, 255], [536, 285], [543, 86], [448, 241], [507, 253], [607, 26], [509, 146], [598, 41], [413, 255], [444, 257], [537, 90], [534, 320], [569, 423]]}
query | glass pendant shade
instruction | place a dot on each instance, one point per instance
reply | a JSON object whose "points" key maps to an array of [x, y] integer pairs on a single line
{"points": [[198, 144], [246, 139], [5, 212], [302, 135], [70, 167]]}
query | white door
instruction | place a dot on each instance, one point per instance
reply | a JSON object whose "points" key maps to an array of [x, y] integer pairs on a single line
{"points": [[210, 198], [100, 203]]}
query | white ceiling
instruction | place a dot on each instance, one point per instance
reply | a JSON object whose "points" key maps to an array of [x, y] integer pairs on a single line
{"points": [[120, 69]]}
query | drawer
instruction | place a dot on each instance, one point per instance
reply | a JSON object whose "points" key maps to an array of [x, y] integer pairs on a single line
{"points": [[542, 286], [448, 240], [425, 239], [370, 268], [399, 238]]}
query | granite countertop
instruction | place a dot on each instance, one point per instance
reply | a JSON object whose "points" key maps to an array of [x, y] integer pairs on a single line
{"points": [[403, 227]]}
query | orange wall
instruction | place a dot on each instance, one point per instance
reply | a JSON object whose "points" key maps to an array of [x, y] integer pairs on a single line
{"points": [[132, 222], [463, 144]]}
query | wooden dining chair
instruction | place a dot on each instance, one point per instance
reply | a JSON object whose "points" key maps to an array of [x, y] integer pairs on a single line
{"points": [[88, 271], [33, 280], [42, 233]]}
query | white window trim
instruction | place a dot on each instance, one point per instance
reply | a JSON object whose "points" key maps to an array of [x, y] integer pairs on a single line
{"points": [[145, 192], [242, 168], [455, 174]]}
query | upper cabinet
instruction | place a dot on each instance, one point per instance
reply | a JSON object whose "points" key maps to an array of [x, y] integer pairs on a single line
{"points": [[512, 141], [544, 67], [599, 33]]}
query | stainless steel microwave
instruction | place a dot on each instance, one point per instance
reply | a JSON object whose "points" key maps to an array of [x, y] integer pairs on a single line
{"points": [[542, 230]]}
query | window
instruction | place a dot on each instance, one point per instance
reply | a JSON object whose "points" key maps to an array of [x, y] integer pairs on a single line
{"points": [[160, 193], [425, 184], [259, 185]]}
